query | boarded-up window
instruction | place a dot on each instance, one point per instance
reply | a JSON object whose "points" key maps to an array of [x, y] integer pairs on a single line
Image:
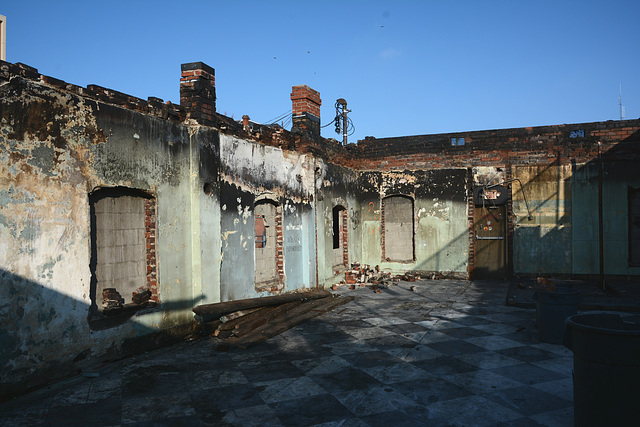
{"points": [[398, 240], [634, 227], [123, 250]]}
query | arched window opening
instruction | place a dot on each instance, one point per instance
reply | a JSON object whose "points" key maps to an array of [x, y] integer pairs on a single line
{"points": [[269, 261], [123, 253], [340, 237]]}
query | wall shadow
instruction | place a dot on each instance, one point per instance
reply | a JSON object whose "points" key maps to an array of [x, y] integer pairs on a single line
{"points": [[46, 336]]}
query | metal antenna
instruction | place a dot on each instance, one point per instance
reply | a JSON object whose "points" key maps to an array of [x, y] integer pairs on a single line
{"points": [[620, 103]]}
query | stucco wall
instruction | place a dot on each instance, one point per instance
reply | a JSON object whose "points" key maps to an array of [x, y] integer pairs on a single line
{"points": [[251, 171], [55, 149], [440, 218], [543, 245]]}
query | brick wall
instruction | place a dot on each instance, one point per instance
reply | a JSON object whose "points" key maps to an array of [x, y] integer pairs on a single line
{"points": [[306, 111], [198, 92], [532, 145], [540, 145], [344, 236], [279, 248], [150, 237]]}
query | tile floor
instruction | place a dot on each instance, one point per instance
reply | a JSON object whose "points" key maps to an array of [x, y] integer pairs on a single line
{"points": [[450, 353]]}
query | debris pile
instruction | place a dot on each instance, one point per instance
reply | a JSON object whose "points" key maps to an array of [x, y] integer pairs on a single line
{"points": [[245, 323], [363, 275], [141, 295], [111, 299], [113, 302]]}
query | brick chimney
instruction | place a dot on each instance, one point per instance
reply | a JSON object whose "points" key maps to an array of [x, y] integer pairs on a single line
{"points": [[306, 111], [198, 92]]}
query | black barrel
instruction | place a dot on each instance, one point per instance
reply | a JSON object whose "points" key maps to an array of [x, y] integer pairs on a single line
{"points": [[606, 368]]}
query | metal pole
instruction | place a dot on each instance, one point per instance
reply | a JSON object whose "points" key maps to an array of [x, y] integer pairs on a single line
{"points": [[343, 102], [600, 221], [344, 124]]}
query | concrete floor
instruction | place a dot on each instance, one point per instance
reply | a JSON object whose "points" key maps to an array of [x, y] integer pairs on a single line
{"points": [[449, 353]]}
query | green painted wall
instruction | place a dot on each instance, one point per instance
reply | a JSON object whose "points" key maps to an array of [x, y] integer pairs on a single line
{"points": [[544, 244], [439, 212]]}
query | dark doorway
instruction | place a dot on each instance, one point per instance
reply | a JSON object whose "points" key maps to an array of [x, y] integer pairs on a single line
{"points": [[490, 242]]}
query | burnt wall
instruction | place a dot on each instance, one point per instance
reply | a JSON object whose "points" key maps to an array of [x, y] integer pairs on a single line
{"points": [[440, 233], [253, 173], [57, 147], [337, 186]]}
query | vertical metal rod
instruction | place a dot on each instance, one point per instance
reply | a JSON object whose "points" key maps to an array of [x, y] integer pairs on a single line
{"points": [[600, 221]]}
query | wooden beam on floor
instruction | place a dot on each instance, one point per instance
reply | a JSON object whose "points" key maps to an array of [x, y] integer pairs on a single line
{"points": [[208, 312]]}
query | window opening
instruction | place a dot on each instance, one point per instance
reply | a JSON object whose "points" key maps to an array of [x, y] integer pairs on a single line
{"points": [[340, 237], [268, 255], [398, 229], [261, 232], [123, 254]]}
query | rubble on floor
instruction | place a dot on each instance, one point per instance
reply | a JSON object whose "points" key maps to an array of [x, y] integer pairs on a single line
{"points": [[245, 323], [364, 275], [113, 303]]}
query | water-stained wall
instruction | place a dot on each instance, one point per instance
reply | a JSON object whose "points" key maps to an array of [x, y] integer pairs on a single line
{"points": [[336, 187], [439, 219], [57, 148], [399, 203], [255, 173], [543, 244]]}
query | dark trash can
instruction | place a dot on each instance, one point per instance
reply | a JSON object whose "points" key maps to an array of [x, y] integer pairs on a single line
{"points": [[552, 310], [606, 368]]}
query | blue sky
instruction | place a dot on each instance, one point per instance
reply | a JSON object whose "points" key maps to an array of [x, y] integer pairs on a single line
{"points": [[404, 67]]}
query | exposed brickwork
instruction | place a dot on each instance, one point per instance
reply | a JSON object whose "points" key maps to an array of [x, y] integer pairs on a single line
{"points": [[279, 249], [305, 100], [540, 145], [153, 106], [344, 236], [198, 92], [150, 224], [382, 233], [306, 111], [532, 145], [470, 223]]}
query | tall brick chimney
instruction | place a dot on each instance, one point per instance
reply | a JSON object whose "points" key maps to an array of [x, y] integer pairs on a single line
{"points": [[198, 92], [306, 111]]}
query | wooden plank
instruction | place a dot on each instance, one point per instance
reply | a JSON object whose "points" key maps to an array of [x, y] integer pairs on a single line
{"points": [[244, 328], [258, 313], [236, 314], [292, 318], [209, 312]]}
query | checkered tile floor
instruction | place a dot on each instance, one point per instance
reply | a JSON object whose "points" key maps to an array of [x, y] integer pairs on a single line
{"points": [[450, 353]]}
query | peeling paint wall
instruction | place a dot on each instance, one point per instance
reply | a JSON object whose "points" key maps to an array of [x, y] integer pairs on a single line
{"points": [[440, 218], [250, 172], [337, 186], [60, 143], [55, 149], [543, 245]]}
